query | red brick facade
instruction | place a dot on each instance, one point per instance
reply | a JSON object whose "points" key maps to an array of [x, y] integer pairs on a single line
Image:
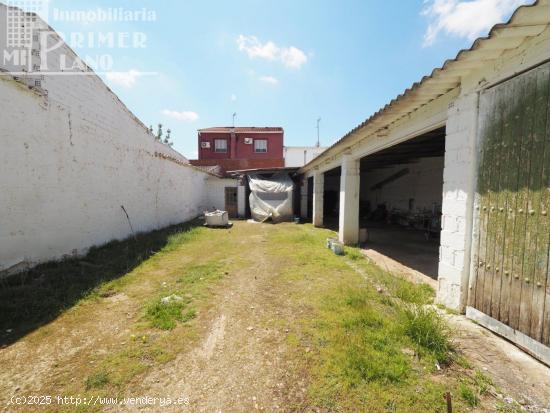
{"points": [[240, 148]]}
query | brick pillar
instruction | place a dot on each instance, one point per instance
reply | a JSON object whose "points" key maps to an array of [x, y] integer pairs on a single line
{"points": [[349, 201], [459, 178], [318, 195]]}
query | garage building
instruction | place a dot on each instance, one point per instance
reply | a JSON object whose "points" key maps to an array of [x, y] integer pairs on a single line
{"points": [[452, 178]]}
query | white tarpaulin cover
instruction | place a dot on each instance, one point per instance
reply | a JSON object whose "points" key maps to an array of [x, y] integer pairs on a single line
{"points": [[271, 197]]}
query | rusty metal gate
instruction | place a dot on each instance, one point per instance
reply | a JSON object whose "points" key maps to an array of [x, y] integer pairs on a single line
{"points": [[231, 201], [510, 250]]}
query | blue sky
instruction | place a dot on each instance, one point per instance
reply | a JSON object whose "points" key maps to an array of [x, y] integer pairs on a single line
{"points": [[279, 63]]}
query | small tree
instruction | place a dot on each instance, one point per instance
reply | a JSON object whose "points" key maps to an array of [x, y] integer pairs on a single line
{"points": [[158, 136], [167, 140], [159, 133]]}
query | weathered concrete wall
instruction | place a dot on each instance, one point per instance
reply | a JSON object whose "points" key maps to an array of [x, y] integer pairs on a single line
{"points": [[215, 188], [71, 160]]}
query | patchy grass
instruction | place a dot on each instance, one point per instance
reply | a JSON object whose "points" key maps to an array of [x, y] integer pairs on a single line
{"points": [[353, 253], [113, 298], [468, 395], [512, 407], [166, 315], [372, 349], [34, 298], [368, 348], [97, 380], [482, 382]]}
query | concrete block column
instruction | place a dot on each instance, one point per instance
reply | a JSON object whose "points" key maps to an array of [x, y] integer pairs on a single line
{"points": [[241, 201], [318, 195], [349, 201], [459, 177], [303, 199]]}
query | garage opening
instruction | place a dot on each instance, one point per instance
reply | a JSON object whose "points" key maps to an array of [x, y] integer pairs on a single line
{"points": [[400, 201], [331, 198], [309, 213]]}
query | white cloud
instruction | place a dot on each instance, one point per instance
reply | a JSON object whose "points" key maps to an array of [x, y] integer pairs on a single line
{"points": [[125, 79], [269, 79], [186, 116], [467, 19], [233, 97], [291, 57]]}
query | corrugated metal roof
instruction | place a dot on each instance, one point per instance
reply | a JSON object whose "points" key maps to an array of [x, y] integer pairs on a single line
{"points": [[242, 129], [527, 21]]}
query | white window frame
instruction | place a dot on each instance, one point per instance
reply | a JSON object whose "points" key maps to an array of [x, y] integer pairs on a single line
{"points": [[263, 148], [219, 148]]}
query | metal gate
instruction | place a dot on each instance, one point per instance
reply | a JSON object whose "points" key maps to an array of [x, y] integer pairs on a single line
{"points": [[510, 250]]}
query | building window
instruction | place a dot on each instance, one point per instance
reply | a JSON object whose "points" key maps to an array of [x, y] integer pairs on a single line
{"points": [[260, 145], [220, 145]]}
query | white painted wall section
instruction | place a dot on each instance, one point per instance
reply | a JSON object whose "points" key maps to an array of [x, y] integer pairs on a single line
{"points": [[458, 196], [349, 201], [423, 183], [297, 156]]}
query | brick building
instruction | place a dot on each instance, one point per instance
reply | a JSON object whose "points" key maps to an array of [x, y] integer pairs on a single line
{"points": [[237, 148]]}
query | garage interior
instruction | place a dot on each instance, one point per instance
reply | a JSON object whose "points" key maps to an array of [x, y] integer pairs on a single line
{"points": [[401, 194], [331, 198]]}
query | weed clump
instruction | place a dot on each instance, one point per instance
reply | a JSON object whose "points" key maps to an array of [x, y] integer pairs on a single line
{"points": [[468, 395], [429, 331], [165, 315], [97, 380]]}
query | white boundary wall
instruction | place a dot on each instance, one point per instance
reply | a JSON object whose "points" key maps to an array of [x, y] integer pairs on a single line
{"points": [[70, 160]]}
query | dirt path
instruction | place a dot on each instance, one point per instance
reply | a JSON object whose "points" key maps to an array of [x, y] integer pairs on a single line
{"points": [[245, 350], [239, 364]]}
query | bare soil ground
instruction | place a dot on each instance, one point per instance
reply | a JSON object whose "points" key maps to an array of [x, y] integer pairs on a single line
{"points": [[240, 362]]}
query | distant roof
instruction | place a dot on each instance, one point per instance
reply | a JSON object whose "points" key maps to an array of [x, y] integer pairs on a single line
{"points": [[290, 169], [242, 129], [213, 169]]}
